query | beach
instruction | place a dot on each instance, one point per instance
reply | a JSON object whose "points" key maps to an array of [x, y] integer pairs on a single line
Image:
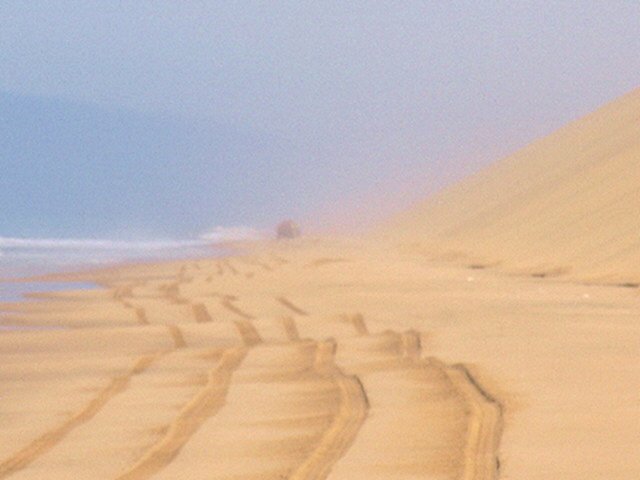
{"points": [[322, 359], [319, 240], [491, 332]]}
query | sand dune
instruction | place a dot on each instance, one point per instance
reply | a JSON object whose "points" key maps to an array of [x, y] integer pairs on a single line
{"points": [[565, 205]]}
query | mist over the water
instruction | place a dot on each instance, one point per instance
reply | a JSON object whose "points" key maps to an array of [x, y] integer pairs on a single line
{"points": [[158, 119]]}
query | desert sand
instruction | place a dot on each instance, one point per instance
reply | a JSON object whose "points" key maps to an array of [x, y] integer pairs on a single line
{"points": [[482, 335]]}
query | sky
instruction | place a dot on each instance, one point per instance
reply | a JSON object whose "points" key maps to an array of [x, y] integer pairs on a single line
{"points": [[163, 119]]}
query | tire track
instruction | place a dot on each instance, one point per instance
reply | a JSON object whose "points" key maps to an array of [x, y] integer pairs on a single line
{"points": [[482, 413], [411, 345], [484, 429], [177, 336], [485, 423], [358, 323], [227, 263], [291, 329], [219, 269], [50, 439], [192, 416], [141, 315], [182, 273], [256, 263], [124, 291], [127, 291], [280, 260], [248, 333], [200, 313], [319, 262], [227, 303], [172, 293], [342, 432], [291, 306]]}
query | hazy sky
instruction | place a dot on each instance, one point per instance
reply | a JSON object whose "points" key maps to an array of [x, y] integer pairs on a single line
{"points": [[164, 117]]}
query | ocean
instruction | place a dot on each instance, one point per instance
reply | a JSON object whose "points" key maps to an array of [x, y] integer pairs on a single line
{"points": [[28, 257]]}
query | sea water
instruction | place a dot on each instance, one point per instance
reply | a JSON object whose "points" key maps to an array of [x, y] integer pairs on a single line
{"points": [[15, 268], [23, 258], [16, 291]]}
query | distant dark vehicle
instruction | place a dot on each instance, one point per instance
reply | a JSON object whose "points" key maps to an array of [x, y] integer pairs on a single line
{"points": [[287, 229]]}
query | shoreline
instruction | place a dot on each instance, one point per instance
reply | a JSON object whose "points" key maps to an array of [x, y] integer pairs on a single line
{"points": [[310, 316]]}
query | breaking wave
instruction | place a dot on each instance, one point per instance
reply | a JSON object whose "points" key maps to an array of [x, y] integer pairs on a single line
{"points": [[91, 244], [18, 255]]}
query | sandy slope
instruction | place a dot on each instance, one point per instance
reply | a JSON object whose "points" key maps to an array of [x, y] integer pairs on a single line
{"points": [[323, 360], [565, 205]]}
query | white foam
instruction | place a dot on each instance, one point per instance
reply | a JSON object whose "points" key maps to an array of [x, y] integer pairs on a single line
{"points": [[215, 235], [19, 256], [95, 244], [230, 234]]}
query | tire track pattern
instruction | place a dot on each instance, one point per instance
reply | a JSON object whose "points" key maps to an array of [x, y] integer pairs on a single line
{"points": [[203, 406], [345, 426], [49, 440], [356, 367]]}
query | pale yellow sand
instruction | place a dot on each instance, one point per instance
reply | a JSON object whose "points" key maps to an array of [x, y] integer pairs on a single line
{"points": [[313, 360], [360, 359], [565, 205]]}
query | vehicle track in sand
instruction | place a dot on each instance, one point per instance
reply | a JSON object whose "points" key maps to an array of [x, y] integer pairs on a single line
{"points": [[50, 439], [481, 411], [291, 306], [197, 411], [227, 302], [357, 396], [342, 432], [481, 460]]}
